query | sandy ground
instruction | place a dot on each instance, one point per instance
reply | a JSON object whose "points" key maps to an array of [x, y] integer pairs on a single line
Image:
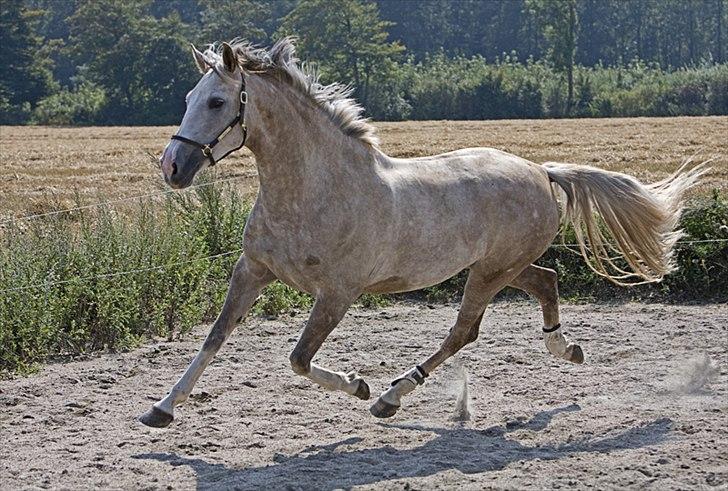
{"points": [[638, 414]]}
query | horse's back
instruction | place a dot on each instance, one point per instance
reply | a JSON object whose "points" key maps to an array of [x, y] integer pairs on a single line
{"points": [[469, 179]]}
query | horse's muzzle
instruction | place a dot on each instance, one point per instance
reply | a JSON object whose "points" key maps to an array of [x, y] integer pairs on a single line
{"points": [[179, 164]]}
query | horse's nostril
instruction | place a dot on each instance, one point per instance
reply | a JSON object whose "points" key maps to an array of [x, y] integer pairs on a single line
{"points": [[174, 168]]}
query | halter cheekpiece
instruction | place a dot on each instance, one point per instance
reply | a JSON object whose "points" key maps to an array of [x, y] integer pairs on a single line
{"points": [[239, 119]]}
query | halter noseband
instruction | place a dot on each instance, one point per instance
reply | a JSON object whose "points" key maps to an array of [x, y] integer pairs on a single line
{"points": [[240, 118]]}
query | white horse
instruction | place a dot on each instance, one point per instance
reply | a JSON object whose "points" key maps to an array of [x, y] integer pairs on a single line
{"points": [[336, 217]]}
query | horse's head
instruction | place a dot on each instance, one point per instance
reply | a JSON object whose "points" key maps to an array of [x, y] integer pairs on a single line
{"points": [[214, 124]]}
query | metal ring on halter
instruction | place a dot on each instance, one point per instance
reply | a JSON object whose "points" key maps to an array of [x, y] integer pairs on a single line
{"points": [[240, 118]]}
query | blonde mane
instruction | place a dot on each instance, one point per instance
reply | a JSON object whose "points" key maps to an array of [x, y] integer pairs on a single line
{"points": [[334, 99]]}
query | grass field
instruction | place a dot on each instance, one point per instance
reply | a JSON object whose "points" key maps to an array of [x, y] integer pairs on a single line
{"points": [[42, 168]]}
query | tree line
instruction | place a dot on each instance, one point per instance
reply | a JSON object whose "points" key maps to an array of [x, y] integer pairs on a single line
{"points": [[127, 61]]}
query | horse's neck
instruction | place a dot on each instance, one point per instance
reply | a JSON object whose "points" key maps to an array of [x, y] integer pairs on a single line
{"points": [[300, 154]]}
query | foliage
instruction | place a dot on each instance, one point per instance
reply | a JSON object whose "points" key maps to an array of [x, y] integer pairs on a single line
{"points": [[134, 58], [495, 59], [25, 76], [227, 19], [439, 87], [347, 38], [85, 307], [80, 106], [669, 32], [703, 267], [557, 19], [717, 96]]}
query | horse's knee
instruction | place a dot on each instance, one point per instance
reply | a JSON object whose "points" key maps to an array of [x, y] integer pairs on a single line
{"points": [[214, 340], [474, 330], [472, 334], [300, 364], [455, 341]]}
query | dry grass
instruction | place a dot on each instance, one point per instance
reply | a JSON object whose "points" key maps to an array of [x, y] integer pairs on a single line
{"points": [[43, 168]]}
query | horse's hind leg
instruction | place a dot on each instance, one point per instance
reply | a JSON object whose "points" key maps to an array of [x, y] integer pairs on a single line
{"points": [[479, 289], [541, 284], [325, 316]]}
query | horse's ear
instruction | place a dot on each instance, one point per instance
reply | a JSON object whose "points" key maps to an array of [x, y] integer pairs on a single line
{"points": [[228, 58], [199, 59]]}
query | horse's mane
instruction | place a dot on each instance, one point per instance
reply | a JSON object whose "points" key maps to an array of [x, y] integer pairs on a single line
{"points": [[280, 60]]}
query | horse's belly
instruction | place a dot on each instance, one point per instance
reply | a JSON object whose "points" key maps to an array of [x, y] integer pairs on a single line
{"points": [[421, 268]]}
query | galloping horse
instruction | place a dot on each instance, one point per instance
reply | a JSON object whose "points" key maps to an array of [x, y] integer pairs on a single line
{"points": [[336, 217]]}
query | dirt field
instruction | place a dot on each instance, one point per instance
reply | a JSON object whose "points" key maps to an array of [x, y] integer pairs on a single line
{"points": [[642, 412], [42, 169]]}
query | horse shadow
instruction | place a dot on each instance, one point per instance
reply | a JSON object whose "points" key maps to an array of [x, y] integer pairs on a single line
{"points": [[467, 450]]}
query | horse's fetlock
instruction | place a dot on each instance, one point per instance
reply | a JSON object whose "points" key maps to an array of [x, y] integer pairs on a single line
{"points": [[178, 396]]}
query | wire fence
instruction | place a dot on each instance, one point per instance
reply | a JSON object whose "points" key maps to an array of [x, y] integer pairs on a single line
{"points": [[112, 274], [220, 255], [124, 199], [703, 241], [194, 260]]}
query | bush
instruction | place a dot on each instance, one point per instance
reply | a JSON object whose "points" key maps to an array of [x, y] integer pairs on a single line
{"points": [[11, 114], [717, 97], [439, 87], [80, 106], [81, 307]]}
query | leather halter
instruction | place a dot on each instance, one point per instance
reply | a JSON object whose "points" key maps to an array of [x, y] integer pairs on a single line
{"points": [[239, 119]]}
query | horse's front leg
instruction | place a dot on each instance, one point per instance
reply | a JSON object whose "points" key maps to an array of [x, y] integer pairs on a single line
{"points": [[325, 316], [248, 279]]}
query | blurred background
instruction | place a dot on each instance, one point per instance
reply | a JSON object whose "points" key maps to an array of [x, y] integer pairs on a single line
{"points": [[127, 62]]}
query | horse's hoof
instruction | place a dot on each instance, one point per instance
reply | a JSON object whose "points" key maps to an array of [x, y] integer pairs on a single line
{"points": [[382, 409], [156, 418], [577, 355], [362, 391]]}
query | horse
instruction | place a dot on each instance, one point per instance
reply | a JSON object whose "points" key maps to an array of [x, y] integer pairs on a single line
{"points": [[336, 217]]}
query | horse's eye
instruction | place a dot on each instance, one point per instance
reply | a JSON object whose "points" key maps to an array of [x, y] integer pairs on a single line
{"points": [[215, 102]]}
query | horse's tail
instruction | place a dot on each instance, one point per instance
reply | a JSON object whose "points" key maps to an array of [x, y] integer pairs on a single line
{"points": [[641, 218]]}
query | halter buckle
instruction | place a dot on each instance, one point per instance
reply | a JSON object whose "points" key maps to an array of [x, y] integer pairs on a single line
{"points": [[207, 151], [224, 132], [243, 97]]}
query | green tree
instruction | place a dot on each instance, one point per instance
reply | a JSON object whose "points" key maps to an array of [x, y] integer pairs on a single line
{"points": [[53, 29], [347, 38], [559, 22], [26, 75], [223, 20], [141, 62]]}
